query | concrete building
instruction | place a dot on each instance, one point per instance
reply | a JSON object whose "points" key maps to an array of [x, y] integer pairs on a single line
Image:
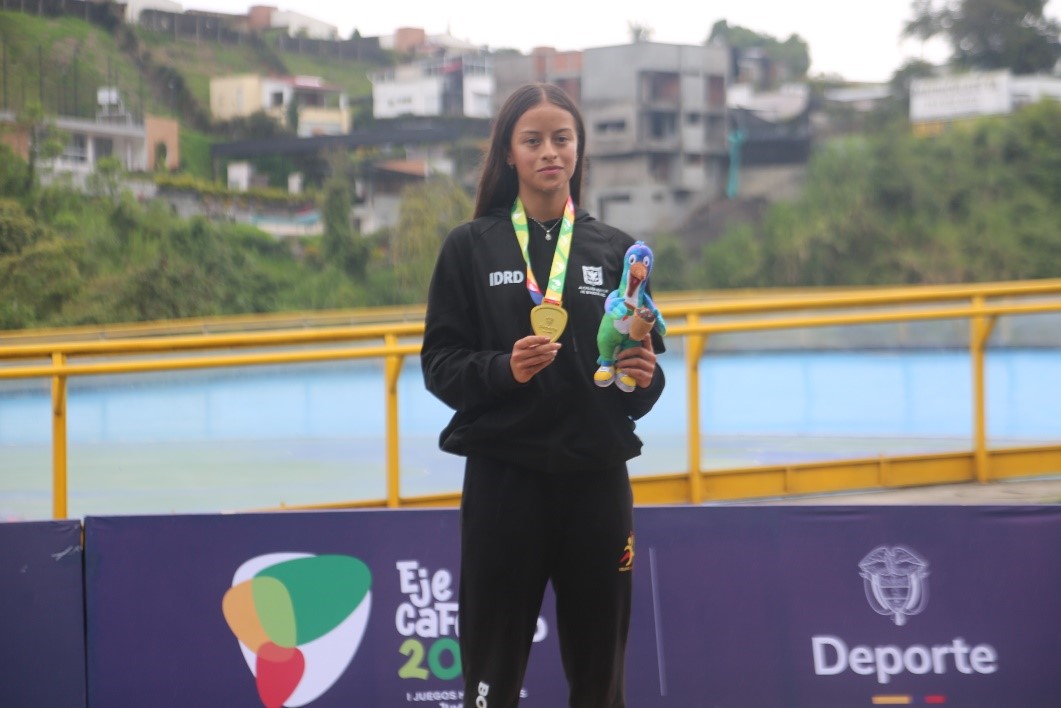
{"points": [[322, 108], [447, 86], [543, 64], [656, 128]]}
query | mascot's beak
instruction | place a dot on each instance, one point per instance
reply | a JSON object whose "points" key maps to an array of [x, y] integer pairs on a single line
{"points": [[638, 273]]}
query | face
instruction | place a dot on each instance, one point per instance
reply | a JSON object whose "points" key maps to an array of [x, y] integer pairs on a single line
{"points": [[544, 151]]}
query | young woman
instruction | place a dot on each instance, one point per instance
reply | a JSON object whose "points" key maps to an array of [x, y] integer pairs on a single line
{"points": [[510, 344]]}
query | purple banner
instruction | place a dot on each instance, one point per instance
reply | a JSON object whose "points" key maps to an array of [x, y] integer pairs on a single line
{"points": [[847, 606], [42, 636], [734, 606], [187, 609]]}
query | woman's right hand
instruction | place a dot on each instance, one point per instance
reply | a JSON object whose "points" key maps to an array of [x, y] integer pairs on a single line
{"points": [[530, 355]]}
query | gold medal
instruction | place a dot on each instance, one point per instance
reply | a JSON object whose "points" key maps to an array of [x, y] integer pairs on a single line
{"points": [[548, 320]]}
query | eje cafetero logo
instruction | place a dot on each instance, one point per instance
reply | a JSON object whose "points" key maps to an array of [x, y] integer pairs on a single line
{"points": [[895, 582], [299, 619]]}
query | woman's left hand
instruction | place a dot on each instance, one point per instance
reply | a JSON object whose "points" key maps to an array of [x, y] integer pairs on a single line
{"points": [[639, 362]]}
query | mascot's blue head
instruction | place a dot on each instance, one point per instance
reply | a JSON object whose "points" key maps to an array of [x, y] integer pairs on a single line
{"points": [[636, 268]]}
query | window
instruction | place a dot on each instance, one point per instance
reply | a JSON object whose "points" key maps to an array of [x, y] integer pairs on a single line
{"points": [[659, 166], [662, 125], [75, 150], [605, 127], [104, 147], [716, 92], [664, 86]]}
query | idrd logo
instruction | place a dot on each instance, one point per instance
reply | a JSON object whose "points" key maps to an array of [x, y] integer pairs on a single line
{"points": [[299, 619]]}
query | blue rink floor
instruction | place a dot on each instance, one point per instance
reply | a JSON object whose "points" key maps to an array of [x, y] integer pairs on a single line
{"points": [[262, 437]]}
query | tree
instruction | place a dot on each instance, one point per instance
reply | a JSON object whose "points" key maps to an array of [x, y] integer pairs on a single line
{"points": [[161, 155], [670, 264], [12, 173], [793, 54], [292, 115], [977, 204], [45, 141], [639, 32], [36, 284], [106, 178], [428, 211], [257, 126], [904, 75], [990, 34], [341, 246], [734, 260], [17, 229]]}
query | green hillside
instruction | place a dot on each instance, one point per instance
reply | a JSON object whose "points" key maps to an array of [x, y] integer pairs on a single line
{"points": [[196, 62], [351, 76], [60, 62]]}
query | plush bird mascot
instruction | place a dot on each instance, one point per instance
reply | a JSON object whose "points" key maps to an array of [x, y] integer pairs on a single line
{"points": [[629, 315]]}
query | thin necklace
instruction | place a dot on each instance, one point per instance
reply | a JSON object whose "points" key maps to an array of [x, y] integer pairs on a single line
{"points": [[548, 231]]}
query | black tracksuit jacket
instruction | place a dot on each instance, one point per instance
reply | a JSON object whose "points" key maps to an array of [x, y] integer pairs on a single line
{"points": [[479, 305]]}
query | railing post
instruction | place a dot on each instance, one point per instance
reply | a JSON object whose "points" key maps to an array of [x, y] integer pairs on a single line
{"points": [[694, 347], [979, 332], [59, 491], [392, 370]]}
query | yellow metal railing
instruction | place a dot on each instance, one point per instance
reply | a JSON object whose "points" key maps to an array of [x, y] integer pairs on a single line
{"points": [[155, 347]]}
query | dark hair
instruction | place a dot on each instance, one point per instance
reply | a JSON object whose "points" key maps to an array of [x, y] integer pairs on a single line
{"points": [[499, 184]]}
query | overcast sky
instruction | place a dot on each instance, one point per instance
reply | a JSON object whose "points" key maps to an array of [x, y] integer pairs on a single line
{"points": [[857, 40]]}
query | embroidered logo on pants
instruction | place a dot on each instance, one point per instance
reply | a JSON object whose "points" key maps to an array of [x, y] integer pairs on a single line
{"points": [[626, 560]]}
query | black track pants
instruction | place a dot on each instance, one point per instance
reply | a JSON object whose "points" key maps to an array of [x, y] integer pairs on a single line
{"points": [[521, 528]]}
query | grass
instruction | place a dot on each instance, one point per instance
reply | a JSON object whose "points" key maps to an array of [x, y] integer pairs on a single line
{"points": [[351, 76], [195, 154], [61, 62], [199, 61]]}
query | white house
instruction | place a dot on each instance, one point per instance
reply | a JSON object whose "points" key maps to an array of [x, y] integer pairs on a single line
{"points": [[455, 85]]}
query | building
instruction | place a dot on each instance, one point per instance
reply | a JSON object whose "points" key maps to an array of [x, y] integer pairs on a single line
{"points": [[414, 41], [938, 101], [543, 64], [861, 98], [770, 137], [263, 17], [656, 128], [138, 146], [322, 109], [452, 85], [379, 189], [134, 8]]}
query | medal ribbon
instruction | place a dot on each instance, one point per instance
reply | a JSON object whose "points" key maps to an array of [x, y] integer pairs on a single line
{"points": [[558, 271]]}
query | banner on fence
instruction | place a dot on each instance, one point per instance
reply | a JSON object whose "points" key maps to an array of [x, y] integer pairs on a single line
{"points": [[734, 606], [42, 621]]}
